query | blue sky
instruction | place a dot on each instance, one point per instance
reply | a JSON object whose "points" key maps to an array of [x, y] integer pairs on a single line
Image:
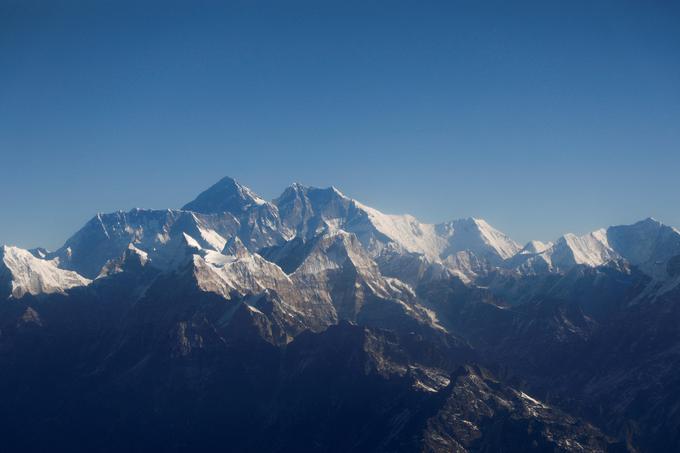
{"points": [[541, 117]]}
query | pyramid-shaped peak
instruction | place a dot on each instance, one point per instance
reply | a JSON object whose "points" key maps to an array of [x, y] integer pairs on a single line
{"points": [[294, 191], [649, 222], [477, 235], [226, 195]]}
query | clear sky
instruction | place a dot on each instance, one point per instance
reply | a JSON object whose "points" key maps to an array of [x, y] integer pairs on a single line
{"points": [[541, 117]]}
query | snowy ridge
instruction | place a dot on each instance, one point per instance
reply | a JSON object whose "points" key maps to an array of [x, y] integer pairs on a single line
{"points": [[648, 244], [499, 241], [407, 231], [320, 231], [310, 211], [223, 274], [316, 288], [332, 282], [31, 275], [591, 249], [158, 233]]}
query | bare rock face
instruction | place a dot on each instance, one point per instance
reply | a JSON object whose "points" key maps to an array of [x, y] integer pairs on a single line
{"points": [[482, 414], [673, 266]]}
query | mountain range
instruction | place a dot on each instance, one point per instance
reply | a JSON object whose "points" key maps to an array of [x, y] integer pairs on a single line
{"points": [[313, 322]]}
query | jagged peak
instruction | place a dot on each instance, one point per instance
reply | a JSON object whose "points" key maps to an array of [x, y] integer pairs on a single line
{"points": [[649, 220], [301, 189], [226, 195], [331, 250], [295, 190]]}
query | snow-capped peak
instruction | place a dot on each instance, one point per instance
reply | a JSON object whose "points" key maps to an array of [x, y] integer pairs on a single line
{"points": [[476, 235], [226, 195], [310, 211], [498, 240], [27, 274], [230, 219], [648, 244], [591, 249]]}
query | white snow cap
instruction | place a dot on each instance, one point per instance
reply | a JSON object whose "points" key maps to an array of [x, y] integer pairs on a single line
{"points": [[32, 275]]}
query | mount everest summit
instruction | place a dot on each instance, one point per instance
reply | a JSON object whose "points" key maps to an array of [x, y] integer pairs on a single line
{"points": [[315, 323], [285, 230]]}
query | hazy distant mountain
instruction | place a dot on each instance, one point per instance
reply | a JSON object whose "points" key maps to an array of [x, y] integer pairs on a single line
{"points": [[316, 323]]}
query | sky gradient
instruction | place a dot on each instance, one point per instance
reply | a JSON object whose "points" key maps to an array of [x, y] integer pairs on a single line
{"points": [[541, 117]]}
